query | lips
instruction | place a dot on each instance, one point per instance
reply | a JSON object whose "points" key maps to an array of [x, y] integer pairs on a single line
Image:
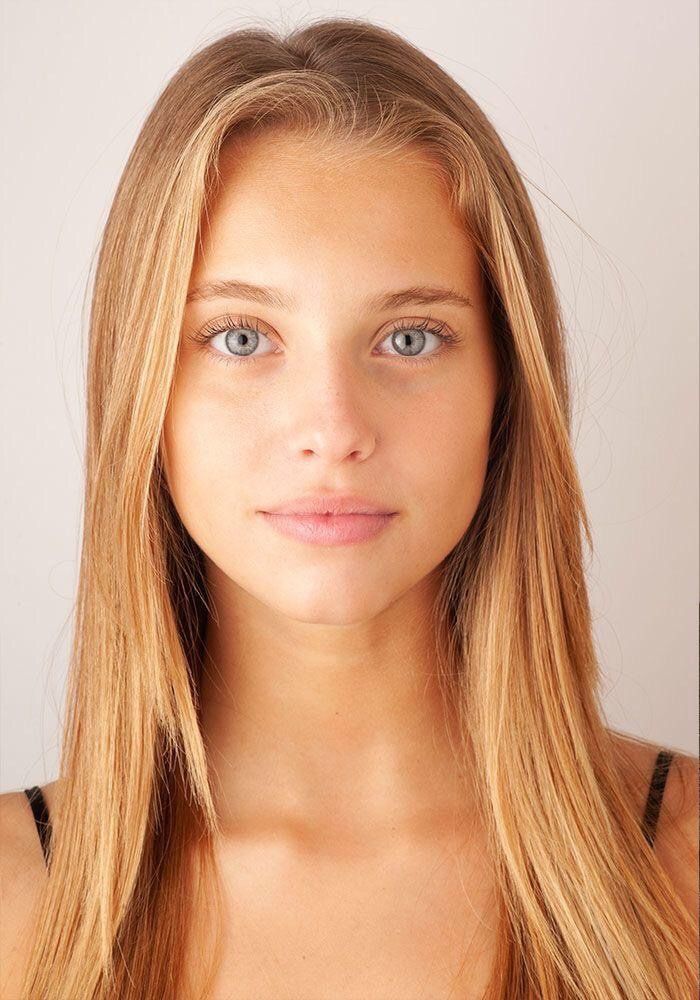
{"points": [[329, 529]]}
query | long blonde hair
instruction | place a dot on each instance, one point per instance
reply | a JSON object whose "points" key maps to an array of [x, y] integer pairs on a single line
{"points": [[586, 910]]}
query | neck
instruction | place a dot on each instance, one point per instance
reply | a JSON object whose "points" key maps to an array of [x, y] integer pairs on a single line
{"points": [[338, 728]]}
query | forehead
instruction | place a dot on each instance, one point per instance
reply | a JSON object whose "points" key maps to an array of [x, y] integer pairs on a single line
{"points": [[283, 199]]}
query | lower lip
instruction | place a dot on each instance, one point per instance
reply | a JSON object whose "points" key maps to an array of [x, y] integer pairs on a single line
{"points": [[329, 529]]}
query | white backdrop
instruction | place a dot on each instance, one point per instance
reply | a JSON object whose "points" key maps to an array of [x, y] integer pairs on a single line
{"points": [[598, 104]]}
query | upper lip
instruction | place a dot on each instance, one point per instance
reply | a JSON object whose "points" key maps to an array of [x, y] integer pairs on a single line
{"points": [[330, 503]]}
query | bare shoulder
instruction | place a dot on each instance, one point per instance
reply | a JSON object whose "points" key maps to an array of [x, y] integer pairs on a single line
{"points": [[22, 875], [676, 839]]}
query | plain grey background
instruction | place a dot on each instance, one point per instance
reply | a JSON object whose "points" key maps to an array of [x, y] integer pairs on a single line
{"points": [[598, 104]]}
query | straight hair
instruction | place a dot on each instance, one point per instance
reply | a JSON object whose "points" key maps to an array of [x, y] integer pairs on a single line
{"points": [[585, 908]]}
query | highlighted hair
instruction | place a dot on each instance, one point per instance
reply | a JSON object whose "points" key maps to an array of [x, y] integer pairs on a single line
{"points": [[586, 910]]}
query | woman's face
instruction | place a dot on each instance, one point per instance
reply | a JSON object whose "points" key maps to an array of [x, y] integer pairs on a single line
{"points": [[314, 393]]}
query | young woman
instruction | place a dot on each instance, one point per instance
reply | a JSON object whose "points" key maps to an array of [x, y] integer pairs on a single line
{"points": [[334, 726]]}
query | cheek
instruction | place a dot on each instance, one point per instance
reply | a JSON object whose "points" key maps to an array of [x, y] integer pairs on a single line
{"points": [[210, 455], [444, 466]]}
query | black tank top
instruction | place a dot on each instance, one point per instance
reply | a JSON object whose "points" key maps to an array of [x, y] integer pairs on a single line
{"points": [[649, 820]]}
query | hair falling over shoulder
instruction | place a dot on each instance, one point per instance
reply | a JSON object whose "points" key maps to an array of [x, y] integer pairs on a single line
{"points": [[586, 911]]}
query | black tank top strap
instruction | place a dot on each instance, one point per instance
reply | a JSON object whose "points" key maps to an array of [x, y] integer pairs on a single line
{"points": [[652, 808], [656, 794], [41, 818]]}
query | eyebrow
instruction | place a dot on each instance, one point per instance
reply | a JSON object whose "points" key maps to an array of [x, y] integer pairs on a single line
{"points": [[229, 288]]}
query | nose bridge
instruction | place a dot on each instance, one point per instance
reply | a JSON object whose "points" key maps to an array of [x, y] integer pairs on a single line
{"points": [[327, 372]]}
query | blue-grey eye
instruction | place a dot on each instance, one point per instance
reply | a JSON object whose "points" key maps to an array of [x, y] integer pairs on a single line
{"points": [[408, 342], [241, 341]]}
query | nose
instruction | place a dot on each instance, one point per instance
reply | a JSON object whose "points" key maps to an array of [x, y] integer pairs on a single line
{"points": [[330, 415]]}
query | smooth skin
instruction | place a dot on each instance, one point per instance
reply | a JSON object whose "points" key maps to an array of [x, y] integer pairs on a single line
{"points": [[353, 862], [321, 710]]}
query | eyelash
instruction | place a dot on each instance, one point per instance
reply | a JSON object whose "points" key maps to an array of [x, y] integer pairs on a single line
{"points": [[226, 323]]}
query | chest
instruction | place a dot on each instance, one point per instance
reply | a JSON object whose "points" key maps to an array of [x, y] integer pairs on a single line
{"points": [[406, 927]]}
